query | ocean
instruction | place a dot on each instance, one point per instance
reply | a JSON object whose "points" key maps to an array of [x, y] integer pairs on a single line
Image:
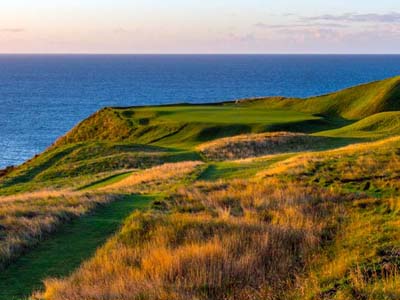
{"points": [[44, 96]]}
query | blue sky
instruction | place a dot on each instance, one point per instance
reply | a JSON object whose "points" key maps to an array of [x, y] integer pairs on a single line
{"points": [[219, 26]]}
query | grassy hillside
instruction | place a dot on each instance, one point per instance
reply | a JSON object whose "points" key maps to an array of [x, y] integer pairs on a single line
{"points": [[79, 164], [380, 125], [184, 126], [139, 137], [187, 125], [252, 145], [67, 248], [281, 236], [353, 103], [262, 199]]}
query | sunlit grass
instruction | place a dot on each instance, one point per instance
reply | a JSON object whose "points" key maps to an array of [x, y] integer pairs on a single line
{"points": [[218, 242], [271, 220], [28, 218], [252, 145]]}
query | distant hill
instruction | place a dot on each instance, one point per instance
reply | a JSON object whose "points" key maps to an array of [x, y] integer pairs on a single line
{"points": [[376, 126], [353, 103], [185, 124]]}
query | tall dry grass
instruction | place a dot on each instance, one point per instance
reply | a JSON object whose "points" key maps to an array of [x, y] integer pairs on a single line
{"points": [[25, 219], [156, 178], [243, 240], [251, 145], [269, 238], [377, 163]]}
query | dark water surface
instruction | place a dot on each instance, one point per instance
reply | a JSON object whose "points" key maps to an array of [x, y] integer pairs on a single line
{"points": [[43, 96]]}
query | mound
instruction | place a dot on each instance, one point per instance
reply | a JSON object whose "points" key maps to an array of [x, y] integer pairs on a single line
{"points": [[244, 146], [353, 103], [360, 101], [377, 160], [165, 174], [376, 126]]}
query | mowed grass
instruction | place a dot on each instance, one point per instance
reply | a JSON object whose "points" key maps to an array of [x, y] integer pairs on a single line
{"points": [[228, 114], [185, 126], [61, 253], [198, 124]]}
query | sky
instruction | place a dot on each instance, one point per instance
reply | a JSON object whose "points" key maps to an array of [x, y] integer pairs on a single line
{"points": [[202, 26]]}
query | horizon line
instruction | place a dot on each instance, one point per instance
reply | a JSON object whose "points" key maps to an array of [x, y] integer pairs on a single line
{"points": [[185, 53]]}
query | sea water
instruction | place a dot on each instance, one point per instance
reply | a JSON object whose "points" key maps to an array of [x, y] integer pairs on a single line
{"points": [[44, 96]]}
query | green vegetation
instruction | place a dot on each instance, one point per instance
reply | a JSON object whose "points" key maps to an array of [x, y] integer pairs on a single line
{"points": [[256, 145], [140, 137], [353, 103], [80, 164], [239, 169], [66, 249], [184, 126], [27, 219], [106, 181], [377, 126], [269, 198]]}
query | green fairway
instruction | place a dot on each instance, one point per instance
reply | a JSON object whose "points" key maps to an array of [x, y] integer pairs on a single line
{"points": [[229, 114], [64, 251], [184, 126]]}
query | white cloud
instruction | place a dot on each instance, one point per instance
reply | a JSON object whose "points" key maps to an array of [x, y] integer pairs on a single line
{"points": [[392, 17]]}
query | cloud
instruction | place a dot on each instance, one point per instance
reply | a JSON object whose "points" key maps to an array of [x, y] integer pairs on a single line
{"points": [[298, 25], [393, 17], [12, 30], [333, 21], [311, 34]]}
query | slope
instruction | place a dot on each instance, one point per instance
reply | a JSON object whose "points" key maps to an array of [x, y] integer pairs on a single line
{"points": [[353, 103], [380, 125]]}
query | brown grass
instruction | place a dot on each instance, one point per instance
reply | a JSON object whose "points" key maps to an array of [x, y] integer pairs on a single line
{"points": [[153, 178], [296, 232], [375, 160], [245, 240], [250, 145], [25, 219]]}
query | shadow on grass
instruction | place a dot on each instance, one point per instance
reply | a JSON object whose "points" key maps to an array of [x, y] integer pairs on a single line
{"points": [[47, 162], [64, 251], [105, 181]]}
